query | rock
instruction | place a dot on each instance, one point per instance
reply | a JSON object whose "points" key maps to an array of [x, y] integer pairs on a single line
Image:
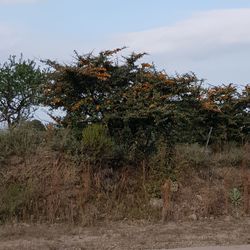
{"points": [[193, 217], [199, 197], [156, 203]]}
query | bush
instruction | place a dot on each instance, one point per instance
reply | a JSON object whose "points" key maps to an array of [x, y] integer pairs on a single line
{"points": [[3, 146], [34, 124], [13, 198], [97, 146], [192, 155], [63, 140], [20, 141]]}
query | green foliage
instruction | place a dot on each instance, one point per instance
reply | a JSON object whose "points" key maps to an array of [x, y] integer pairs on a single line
{"points": [[13, 198], [227, 111], [97, 146], [85, 89], [64, 140], [33, 124], [121, 112], [140, 104], [235, 196], [20, 81], [137, 135], [161, 162], [21, 141]]}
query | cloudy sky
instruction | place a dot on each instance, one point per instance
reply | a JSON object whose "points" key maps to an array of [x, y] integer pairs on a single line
{"points": [[210, 38]]}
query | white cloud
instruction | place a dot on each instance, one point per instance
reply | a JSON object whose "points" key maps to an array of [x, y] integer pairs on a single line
{"points": [[203, 35], [17, 1], [213, 44]]}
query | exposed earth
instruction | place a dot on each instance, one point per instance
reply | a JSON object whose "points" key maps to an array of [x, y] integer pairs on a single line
{"points": [[128, 235]]}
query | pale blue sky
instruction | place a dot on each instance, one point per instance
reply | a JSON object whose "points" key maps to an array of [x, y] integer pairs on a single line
{"points": [[95, 17], [209, 37]]}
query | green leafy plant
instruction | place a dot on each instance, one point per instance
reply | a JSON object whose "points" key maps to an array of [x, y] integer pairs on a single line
{"points": [[96, 144], [235, 196]]}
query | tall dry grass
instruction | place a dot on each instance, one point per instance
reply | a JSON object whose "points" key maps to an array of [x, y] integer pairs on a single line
{"points": [[49, 176]]}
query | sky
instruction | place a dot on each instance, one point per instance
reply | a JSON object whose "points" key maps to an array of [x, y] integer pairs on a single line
{"points": [[208, 37]]}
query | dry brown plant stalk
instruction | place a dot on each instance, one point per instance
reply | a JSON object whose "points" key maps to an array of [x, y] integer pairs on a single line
{"points": [[166, 196], [86, 185], [245, 179], [247, 194], [226, 187]]}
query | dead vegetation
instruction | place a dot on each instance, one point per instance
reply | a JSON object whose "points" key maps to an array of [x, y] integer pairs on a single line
{"points": [[52, 185]]}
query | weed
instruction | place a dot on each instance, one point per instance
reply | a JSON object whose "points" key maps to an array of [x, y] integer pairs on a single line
{"points": [[97, 146], [235, 196]]}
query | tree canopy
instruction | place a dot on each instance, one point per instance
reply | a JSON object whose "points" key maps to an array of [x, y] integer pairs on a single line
{"points": [[137, 101], [20, 81]]}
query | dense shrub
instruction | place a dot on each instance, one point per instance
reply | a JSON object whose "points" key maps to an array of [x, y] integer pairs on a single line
{"points": [[97, 145], [63, 140], [13, 199], [33, 124], [21, 141]]}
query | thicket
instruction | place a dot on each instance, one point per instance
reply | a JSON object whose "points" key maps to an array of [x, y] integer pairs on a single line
{"points": [[121, 110], [50, 175], [138, 104], [128, 126], [141, 106]]}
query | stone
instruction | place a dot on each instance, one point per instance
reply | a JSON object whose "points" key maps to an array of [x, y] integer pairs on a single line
{"points": [[156, 203], [193, 217], [199, 197]]}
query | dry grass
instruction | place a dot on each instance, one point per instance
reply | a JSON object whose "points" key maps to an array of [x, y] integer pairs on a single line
{"points": [[166, 197], [48, 185]]}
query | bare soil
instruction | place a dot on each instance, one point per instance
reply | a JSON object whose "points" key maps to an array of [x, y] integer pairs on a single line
{"points": [[127, 235]]}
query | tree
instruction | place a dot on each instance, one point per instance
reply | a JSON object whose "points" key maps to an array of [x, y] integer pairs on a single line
{"points": [[140, 104], [136, 101], [227, 111], [20, 81], [86, 89]]}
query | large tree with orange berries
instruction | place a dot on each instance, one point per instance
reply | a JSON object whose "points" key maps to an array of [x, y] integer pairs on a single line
{"points": [[140, 104]]}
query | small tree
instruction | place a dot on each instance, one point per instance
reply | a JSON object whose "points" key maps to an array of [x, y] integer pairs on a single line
{"points": [[19, 89]]}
